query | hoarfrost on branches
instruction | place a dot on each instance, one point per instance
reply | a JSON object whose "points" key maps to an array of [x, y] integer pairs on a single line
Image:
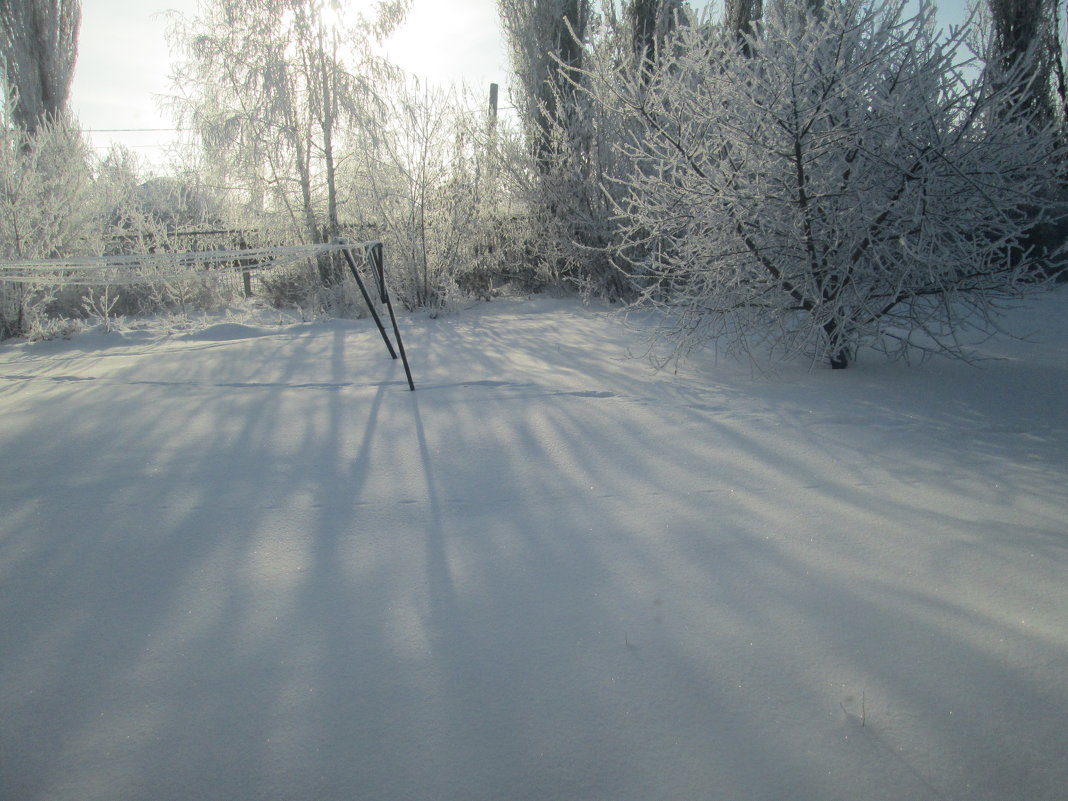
{"points": [[47, 207], [415, 178], [836, 180], [270, 90], [568, 150], [38, 49]]}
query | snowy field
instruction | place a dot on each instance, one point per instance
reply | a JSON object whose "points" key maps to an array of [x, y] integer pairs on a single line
{"points": [[246, 563]]}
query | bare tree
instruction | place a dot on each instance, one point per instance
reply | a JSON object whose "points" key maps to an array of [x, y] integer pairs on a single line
{"points": [[845, 184], [38, 48], [410, 178]]}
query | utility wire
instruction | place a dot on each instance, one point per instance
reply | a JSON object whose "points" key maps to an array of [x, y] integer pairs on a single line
{"points": [[133, 130]]}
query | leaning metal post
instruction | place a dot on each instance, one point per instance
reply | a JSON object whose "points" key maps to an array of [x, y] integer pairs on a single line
{"points": [[378, 263], [366, 297], [374, 251]]}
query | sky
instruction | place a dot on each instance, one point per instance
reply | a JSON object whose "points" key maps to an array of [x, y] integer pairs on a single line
{"points": [[123, 68]]}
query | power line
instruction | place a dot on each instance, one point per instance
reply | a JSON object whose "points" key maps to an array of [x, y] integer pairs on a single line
{"points": [[159, 145], [134, 130]]}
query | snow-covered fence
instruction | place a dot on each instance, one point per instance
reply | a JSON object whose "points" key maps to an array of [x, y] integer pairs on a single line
{"points": [[98, 282]]}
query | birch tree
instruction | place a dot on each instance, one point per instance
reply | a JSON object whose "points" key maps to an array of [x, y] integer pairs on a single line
{"points": [[845, 184], [270, 87]]}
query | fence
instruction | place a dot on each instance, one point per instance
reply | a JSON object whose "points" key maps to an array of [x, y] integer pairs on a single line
{"points": [[183, 273]]}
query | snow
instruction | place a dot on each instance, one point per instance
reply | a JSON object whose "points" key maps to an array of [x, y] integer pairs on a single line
{"points": [[247, 563]]}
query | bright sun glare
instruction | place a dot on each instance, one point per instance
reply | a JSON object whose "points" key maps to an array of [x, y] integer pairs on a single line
{"points": [[332, 15]]}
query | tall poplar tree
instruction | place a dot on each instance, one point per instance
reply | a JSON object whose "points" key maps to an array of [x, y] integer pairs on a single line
{"points": [[651, 21], [546, 39], [741, 16], [1024, 29], [38, 49]]}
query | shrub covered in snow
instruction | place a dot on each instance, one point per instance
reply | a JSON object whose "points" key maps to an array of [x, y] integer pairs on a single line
{"points": [[838, 179], [47, 209]]}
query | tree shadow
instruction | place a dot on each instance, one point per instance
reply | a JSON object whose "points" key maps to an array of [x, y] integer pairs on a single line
{"points": [[555, 575]]}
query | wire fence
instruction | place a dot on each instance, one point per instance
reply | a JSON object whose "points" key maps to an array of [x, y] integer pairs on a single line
{"points": [[156, 267], [37, 295]]}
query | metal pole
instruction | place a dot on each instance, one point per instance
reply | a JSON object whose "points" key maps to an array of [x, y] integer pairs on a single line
{"points": [[379, 265], [367, 298]]}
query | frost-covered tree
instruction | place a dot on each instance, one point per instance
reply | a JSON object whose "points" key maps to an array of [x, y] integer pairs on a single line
{"points": [[38, 48], [546, 39], [742, 16], [47, 208], [651, 22], [845, 184], [1057, 57], [1022, 32], [570, 136], [271, 87]]}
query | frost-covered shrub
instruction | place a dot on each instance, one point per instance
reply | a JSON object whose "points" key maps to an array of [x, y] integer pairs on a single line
{"points": [[46, 209], [420, 180], [836, 180], [142, 213]]}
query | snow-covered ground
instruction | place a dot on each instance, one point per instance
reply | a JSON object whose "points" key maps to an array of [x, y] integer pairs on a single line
{"points": [[246, 563]]}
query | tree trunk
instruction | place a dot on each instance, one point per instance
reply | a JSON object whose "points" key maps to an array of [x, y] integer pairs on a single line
{"points": [[39, 43], [331, 269], [839, 351]]}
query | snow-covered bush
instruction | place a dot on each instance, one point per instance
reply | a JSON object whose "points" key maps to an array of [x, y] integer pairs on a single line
{"points": [[420, 178], [46, 210], [145, 213], [837, 180]]}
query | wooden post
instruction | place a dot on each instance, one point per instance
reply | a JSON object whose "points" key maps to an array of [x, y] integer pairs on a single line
{"points": [[246, 275], [490, 156]]}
